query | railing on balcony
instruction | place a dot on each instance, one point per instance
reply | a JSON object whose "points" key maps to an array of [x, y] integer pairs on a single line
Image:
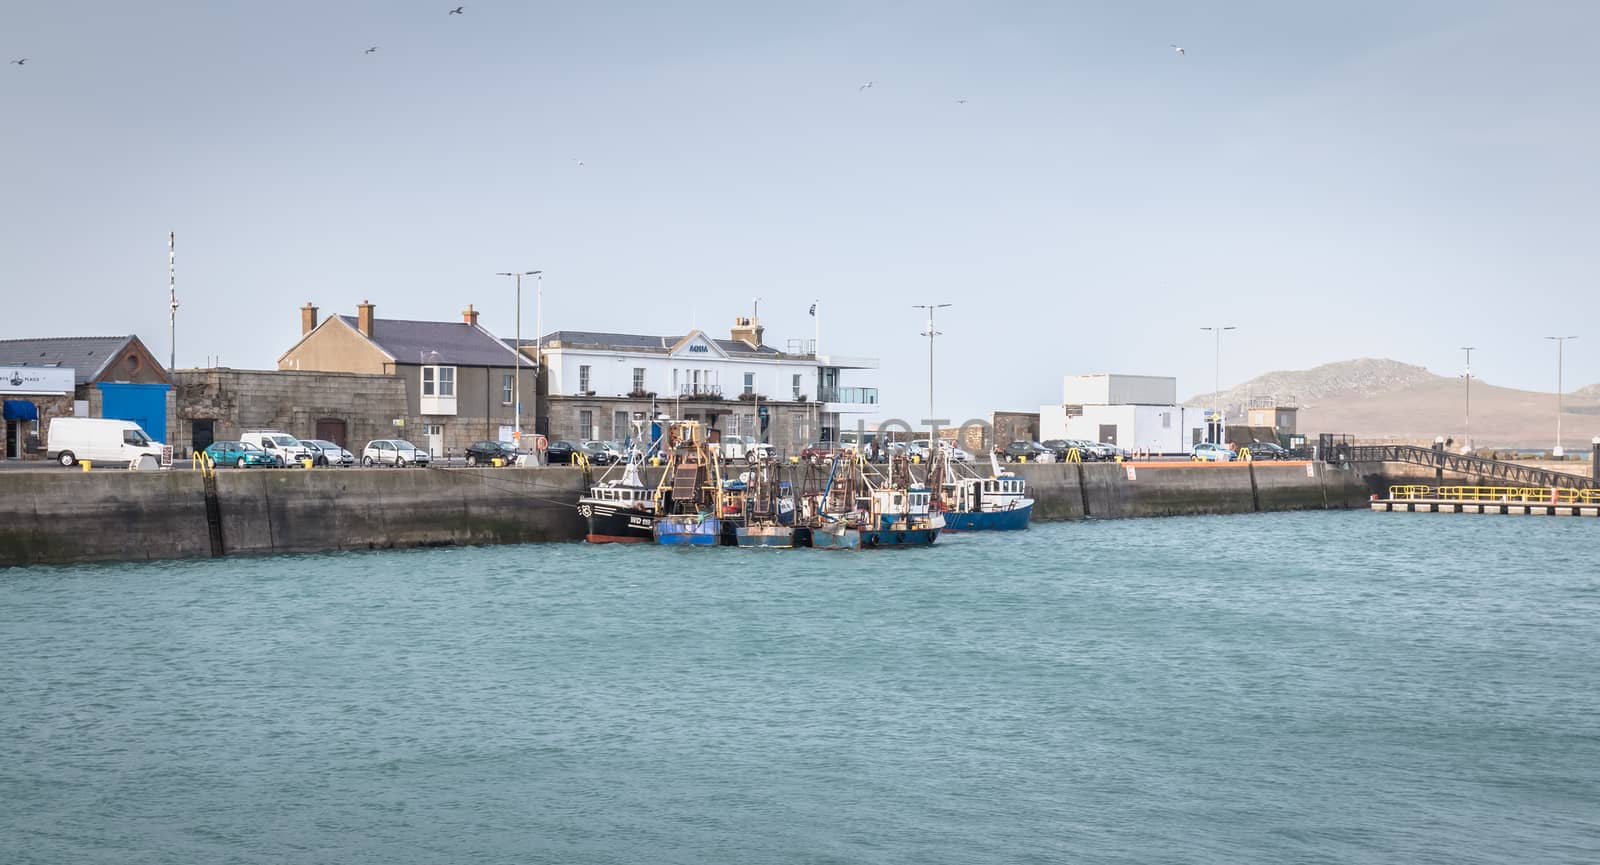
{"points": [[855, 395], [703, 391]]}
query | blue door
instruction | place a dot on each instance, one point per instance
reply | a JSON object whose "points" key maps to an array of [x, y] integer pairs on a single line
{"points": [[144, 404]]}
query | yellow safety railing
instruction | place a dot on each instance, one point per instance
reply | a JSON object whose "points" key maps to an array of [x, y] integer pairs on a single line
{"points": [[1528, 495], [1074, 455], [1244, 454]]}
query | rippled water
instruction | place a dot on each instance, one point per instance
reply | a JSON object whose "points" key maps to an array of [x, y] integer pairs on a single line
{"points": [[1283, 688]]}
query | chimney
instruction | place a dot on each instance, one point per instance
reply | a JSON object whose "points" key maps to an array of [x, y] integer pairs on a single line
{"points": [[364, 318], [748, 330], [308, 318], [470, 315]]}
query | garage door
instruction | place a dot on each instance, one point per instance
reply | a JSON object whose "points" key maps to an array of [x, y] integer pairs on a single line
{"points": [[144, 404]]}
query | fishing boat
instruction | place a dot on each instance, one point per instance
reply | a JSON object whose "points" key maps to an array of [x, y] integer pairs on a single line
{"points": [[690, 500], [767, 508], [864, 507], [997, 503], [620, 510]]}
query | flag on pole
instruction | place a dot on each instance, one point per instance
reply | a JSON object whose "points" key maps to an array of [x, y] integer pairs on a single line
{"points": [[813, 309]]}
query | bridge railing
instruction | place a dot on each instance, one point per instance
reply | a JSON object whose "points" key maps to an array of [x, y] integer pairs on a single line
{"points": [[1532, 495], [1340, 449]]}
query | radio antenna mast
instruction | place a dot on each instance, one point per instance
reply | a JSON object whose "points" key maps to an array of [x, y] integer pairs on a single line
{"points": [[172, 290]]}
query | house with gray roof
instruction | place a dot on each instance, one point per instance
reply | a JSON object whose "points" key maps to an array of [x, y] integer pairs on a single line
{"points": [[90, 376], [460, 379], [595, 384]]}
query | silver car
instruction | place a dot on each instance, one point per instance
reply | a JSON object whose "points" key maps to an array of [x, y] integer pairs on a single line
{"points": [[398, 453], [326, 453]]}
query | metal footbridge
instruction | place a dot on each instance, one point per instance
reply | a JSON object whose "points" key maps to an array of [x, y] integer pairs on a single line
{"points": [[1343, 449]]}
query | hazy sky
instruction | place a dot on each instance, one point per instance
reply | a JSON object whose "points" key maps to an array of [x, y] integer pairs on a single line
{"points": [[1343, 179]]}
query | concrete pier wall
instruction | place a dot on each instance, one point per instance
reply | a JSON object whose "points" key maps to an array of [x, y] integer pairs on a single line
{"points": [[69, 516]]}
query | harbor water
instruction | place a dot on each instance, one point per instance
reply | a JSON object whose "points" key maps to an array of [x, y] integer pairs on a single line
{"points": [[1312, 687]]}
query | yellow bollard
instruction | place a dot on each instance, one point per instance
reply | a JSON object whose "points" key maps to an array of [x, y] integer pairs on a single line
{"points": [[85, 463], [306, 462], [1022, 459], [497, 462]]}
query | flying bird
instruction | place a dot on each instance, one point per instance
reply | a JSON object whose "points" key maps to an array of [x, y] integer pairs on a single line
{"points": [[21, 62], [459, 10], [961, 101], [866, 86], [372, 50], [1178, 48], [579, 162]]}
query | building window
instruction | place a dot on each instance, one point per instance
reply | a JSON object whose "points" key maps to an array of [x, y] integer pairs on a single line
{"points": [[583, 379], [797, 386], [674, 380], [585, 423], [749, 382], [638, 379], [732, 424], [439, 381], [507, 382], [1166, 420], [619, 425]]}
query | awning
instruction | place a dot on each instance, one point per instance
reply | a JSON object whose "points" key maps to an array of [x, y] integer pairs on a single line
{"points": [[20, 409]]}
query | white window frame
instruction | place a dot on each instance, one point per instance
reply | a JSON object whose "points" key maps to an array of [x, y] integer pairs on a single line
{"points": [[638, 378], [749, 382], [585, 378], [507, 388], [437, 394]]}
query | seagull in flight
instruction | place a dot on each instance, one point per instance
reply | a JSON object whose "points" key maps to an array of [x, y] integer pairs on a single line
{"points": [[372, 50], [579, 162], [21, 62], [1178, 48], [961, 101], [866, 86], [459, 10]]}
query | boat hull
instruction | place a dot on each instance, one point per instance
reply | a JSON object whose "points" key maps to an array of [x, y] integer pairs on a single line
{"points": [[1011, 520], [609, 524], [688, 531], [822, 539], [777, 537], [892, 538]]}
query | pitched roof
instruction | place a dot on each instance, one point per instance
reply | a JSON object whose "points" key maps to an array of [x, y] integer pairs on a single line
{"points": [[457, 343], [640, 342], [87, 356]]}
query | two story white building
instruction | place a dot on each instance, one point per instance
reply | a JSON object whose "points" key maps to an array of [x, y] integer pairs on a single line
{"points": [[1133, 411], [595, 383]]}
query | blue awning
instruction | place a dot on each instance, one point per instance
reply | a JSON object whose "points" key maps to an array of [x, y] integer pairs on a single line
{"points": [[20, 409]]}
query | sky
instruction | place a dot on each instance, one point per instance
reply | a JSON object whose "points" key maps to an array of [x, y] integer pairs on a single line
{"points": [[1378, 179]]}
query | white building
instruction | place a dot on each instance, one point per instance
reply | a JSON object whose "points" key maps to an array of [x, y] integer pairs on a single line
{"points": [[1131, 411], [594, 383]]}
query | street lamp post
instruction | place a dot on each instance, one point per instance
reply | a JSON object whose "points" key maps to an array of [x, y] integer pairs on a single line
{"points": [[516, 371], [1468, 435], [1561, 345], [930, 333], [1216, 383]]}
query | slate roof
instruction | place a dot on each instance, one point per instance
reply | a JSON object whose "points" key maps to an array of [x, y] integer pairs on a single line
{"points": [[638, 342], [87, 356], [458, 343]]}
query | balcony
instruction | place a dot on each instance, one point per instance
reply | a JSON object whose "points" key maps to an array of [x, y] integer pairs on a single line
{"points": [[849, 395], [700, 391]]}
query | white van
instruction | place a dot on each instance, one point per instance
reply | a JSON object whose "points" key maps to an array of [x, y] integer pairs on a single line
{"points": [[285, 447], [70, 439]]}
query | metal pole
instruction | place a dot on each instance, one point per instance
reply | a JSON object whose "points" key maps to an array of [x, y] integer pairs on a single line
{"points": [[172, 289], [1468, 349], [1561, 344], [931, 333], [516, 371], [1216, 392]]}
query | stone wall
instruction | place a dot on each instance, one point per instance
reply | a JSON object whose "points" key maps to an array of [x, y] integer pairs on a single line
{"points": [[242, 399]]}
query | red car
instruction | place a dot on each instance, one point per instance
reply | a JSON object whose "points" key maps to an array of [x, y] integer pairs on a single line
{"points": [[818, 453]]}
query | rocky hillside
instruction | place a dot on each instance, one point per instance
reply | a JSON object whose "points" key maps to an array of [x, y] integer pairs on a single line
{"points": [[1363, 377]]}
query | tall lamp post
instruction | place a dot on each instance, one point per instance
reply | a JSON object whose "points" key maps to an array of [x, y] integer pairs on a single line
{"points": [[1561, 345], [930, 333], [516, 371], [1216, 383], [1468, 436]]}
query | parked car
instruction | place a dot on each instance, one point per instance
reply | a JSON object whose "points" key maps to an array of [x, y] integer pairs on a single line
{"points": [[1031, 451], [559, 453], [71, 439], [597, 453], [285, 447], [1210, 452], [1103, 451], [326, 453], [393, 452], [818, 453], [487, 451], [745, 448], [239, 455], [1261, 450]]}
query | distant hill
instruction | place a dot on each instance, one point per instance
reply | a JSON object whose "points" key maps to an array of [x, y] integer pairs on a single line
{"points": [[1386, 399]]}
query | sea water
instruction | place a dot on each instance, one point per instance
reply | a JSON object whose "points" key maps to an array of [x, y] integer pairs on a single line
{"points": [[1284, 688]]}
